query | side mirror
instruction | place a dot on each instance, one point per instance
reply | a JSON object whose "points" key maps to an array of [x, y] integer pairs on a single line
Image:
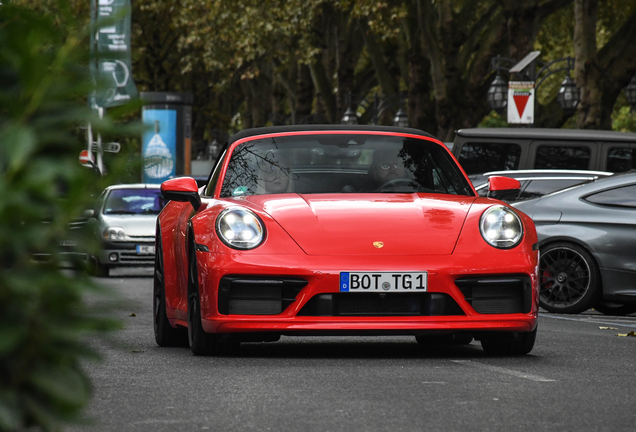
{"points": [[182, 189], [501, 187], [500, 183], [89, 213]]}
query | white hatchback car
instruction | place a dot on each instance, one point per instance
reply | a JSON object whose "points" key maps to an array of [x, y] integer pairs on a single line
{"points": [[125, 220]]}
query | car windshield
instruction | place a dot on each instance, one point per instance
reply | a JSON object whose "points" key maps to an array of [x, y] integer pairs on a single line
{"points": [[134, 201], [342, 163]]}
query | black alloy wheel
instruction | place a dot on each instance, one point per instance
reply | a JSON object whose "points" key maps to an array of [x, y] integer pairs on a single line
{"points": [[617, 309], [569, 280], [165, 334], [201, 343]]}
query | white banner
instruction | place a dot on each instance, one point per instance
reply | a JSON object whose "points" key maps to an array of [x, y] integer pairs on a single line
{"points": [[520, 102]]}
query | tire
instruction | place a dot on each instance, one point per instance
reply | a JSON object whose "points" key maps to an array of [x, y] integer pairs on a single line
{"points": [[97, 269], [569, 279], [617, 309], [509, 343], [201, 343], [165, 334]]}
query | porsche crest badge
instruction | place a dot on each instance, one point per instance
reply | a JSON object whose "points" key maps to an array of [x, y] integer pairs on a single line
{"points": [[378, 244]]}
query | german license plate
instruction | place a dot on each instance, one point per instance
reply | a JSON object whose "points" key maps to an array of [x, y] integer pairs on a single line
{"points": [[383, 281], [145, 250]]}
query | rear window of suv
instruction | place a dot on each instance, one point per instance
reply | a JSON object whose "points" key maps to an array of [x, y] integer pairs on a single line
{"points": [[478, 157]]}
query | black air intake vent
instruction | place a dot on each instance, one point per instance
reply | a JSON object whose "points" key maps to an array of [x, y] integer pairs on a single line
{"points": [[497, 294], [381, 304], [239, 295]]}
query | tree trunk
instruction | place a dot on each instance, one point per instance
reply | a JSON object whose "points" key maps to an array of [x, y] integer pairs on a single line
{"points": [[587, 71]]}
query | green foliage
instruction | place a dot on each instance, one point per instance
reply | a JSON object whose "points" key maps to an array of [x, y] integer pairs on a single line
{"points": [[493, 120], [45, 316], [624, 120]]}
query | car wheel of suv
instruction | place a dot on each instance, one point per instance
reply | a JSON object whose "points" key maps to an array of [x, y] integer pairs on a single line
{"points": [[509, 343], [165, 334], [568, 279], [618, 309], [201, 343]]}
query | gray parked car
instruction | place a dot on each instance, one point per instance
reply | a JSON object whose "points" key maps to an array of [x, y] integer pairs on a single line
{"points": [[124, 221], [587, 239]]}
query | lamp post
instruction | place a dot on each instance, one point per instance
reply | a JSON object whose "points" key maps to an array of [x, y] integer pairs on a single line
{"points": [[350, 117], [569, 94], [378, 108]]}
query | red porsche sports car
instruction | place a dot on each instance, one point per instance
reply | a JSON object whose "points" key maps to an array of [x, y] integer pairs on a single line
{"points": [[342, 230]]}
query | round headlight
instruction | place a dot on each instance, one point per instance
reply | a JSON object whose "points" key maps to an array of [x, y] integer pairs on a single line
{"points": [[501, 227], [239, 228]]}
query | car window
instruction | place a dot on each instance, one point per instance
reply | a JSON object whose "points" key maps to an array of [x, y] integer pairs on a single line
{"points": [[209, 190], [621, 159], [539, 187], [624, 196], [342, 163], [479, 157], [133, 201], [562, 157]]}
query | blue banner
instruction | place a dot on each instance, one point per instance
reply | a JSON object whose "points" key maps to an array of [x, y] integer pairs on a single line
{"points": [[159, 147]]}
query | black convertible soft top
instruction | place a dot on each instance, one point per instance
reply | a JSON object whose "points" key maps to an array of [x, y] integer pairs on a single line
{"points": [[326, 127]]}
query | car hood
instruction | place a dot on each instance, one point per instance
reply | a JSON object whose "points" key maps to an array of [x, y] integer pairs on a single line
{"points": [[133, 225], [399, 224]]}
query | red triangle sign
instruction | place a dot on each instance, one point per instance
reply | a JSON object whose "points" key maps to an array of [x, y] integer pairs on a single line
{"points": [[521, 102]]}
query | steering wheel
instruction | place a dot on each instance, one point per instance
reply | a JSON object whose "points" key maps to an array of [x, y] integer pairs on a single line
{"points": [[397, 182]]}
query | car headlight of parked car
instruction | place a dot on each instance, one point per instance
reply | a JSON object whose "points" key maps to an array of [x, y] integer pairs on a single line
{"points": [[501, 227], [240, 228], [114, 233]]}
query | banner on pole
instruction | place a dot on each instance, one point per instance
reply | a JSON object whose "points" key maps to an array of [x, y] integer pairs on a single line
{"points": [[111, 65], [521, 102]]}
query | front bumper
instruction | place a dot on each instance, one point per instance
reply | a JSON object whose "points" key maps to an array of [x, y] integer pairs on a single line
{"points": [[466, 292], [132, 254]]}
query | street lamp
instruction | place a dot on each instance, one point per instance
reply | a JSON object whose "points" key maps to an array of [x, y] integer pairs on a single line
{"points": [[498, 94], [569, 94], [350, 117], [401, 119], [377, 110], [630, 93]]}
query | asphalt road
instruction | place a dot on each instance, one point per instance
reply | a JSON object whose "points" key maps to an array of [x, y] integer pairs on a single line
{"points": [[581, 376]]}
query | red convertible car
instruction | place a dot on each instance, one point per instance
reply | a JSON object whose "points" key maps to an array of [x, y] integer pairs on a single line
{"points": [[342, 230]]}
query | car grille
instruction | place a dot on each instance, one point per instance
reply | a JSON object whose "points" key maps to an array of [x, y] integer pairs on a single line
{"points": [[381, 304], [497, 294], [133, 257], [240, 295]]}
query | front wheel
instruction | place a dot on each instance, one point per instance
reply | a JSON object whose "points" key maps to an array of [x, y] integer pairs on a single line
{"points": [[509, 344], [617, 309], [201, 343], [569, 279], [165, 334]]}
